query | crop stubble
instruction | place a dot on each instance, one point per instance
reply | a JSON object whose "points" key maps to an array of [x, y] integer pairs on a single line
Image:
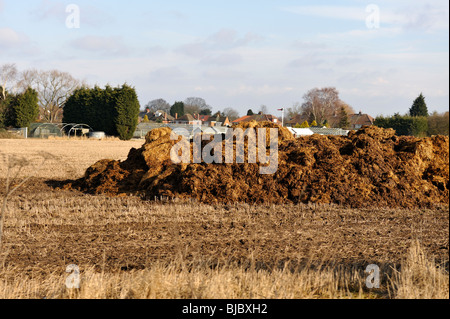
{"points": [[48, 228]]}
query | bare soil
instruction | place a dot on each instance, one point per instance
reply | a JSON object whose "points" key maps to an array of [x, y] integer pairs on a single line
{"points": [[46, 229]]}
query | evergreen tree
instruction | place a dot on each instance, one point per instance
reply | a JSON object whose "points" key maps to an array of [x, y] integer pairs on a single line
{"points": [[6, 112], [419, 107], [127, 109], [344, 122], [250, 112], [206, 111], [177, 108], [3, 107], [114, 111], [26, 108], [19, 110]]}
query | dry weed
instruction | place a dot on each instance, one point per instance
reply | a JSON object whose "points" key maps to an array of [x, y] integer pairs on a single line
{"points": [[420, 277]]}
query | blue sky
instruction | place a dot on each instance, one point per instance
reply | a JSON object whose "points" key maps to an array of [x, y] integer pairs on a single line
{"points": [[241, 54]]}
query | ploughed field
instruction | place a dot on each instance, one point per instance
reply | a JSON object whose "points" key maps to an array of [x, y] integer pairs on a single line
{"points": [[181, 246]]}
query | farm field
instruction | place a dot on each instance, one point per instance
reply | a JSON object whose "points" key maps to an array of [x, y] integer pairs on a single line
{"points": [[126, 247]]}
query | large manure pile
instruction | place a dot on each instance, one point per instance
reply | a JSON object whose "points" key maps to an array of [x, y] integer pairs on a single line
{"points": [[370, 167]]}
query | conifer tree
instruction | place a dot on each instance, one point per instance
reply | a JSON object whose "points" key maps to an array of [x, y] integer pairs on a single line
{"points": [[419, 107], [26, 108], [344, 122], [177, 109]]}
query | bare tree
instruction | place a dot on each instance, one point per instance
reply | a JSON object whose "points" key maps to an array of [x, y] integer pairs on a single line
{"points": [[8, 75], [295, 110], [158, 105], [54, 88], [342, 110], [263, 109], [231, 113], [27, 79], [321, 104], [196, 105]]}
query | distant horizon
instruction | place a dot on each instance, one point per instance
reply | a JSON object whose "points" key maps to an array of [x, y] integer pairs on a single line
{"points": [[241, 54]]}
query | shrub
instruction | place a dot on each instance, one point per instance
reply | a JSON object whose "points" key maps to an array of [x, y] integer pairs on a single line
{"points": [[113, 111], [404, 125]]}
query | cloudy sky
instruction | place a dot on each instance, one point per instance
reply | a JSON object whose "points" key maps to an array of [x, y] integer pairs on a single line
{"points": [[380, 55]]}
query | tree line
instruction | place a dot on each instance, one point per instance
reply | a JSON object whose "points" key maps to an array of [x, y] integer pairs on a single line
{"points": [[53, 88], [18, 110], [322, 106], [114, 111], [191, 105], [417, 122], [55, 96]]}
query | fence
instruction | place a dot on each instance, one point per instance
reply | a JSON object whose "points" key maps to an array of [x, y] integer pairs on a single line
{"points": [[21, 132]]}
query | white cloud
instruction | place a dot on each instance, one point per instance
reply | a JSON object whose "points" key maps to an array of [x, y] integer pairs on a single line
{"points": [[428, 17], [332, 12], [192, 49], [265, 89], [205, 89], [9, 37], [309, 45], [362, 34], [228, 38], [13, 41], [225, 59], [166, 73], [112, 46], [90, 15], [307, 61], [221, 41], [49, 9]]}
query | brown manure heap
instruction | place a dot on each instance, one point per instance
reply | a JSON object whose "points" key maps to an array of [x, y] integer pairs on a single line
{"points": [[369, 167]]}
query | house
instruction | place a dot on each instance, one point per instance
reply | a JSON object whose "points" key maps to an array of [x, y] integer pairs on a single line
{"points": [[297, 119], [359, 120], [219, 121], [204, 118], [187, 119], [157, 117], [147, 113], [163, 117], [243, 119], [258, 118]]}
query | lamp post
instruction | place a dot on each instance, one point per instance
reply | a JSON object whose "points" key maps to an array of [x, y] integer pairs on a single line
{"points": [[282, 116]]}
